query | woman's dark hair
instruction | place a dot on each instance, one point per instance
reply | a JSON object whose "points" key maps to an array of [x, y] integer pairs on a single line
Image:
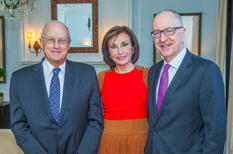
{"points": [[114, 31]]}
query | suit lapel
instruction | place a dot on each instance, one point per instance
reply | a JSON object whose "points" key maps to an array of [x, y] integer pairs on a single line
{"points": [[154, 85], [39, 85], [183, 72], [69, 81]]}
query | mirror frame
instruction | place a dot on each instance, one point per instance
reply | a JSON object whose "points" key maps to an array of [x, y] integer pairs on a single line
{"points": [[94, 48], [197, 31], [2, 40]]}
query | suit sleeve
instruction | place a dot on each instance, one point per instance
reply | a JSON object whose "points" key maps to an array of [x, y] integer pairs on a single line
{"points": [[91, 137], [213, 110], [19, 124]]}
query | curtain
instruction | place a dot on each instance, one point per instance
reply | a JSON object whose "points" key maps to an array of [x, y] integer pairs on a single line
{"points": [[229, 142], [220, 60], [221, 36]]}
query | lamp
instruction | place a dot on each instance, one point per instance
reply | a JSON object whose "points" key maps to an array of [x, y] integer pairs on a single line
{"points": [[37, 48], [14, 8]]}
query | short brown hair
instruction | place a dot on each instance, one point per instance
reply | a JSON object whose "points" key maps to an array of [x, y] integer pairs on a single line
{"points": [[114, 31]]}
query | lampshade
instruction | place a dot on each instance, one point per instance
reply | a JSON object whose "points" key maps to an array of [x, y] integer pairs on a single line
{"points": [[29, 35]]}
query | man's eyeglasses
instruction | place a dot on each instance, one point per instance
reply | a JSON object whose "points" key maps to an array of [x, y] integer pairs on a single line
{"points": [[52, 41], [168, 31]]}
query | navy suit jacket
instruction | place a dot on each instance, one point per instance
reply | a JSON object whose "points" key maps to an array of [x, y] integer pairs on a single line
{"points": [[192, 118], [81, 122]]}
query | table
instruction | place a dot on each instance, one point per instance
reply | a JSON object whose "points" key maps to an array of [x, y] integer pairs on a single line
{"points": [[4, 115]]}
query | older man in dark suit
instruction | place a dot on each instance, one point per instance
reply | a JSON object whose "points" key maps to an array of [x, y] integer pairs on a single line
{"points": [[186, 100], [55, 105]]}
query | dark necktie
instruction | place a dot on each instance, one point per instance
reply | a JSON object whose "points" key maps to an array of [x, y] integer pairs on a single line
{"points": [[54, 95], [163, 85]]}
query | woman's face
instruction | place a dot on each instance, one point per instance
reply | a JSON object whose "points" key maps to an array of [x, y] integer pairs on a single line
{"points": [[120, 49]]}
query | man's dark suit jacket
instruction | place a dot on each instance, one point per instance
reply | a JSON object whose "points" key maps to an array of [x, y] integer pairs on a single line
{"points": [[192, 118], [81, 122]]}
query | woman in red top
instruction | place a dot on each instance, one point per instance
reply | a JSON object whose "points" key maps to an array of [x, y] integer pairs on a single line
{"points": [[124, 94]]}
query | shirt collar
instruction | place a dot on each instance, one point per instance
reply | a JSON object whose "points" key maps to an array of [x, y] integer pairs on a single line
{"points": [[49, 67], [175, 62]]}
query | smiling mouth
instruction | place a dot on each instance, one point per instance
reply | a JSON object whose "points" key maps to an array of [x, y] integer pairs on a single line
{"points": [[121, 58], [56, 52], [165, 45]]}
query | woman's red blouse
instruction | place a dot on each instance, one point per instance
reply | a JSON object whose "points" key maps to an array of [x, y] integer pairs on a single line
{"points": [[124, 96]]}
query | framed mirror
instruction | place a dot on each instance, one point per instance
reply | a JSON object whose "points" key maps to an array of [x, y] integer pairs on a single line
{"points": [[192, 23], [81, 17], [2, 49]]}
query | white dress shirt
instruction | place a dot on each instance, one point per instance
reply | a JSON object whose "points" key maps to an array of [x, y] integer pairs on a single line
{"points": [[175, 64], [48, 74]]}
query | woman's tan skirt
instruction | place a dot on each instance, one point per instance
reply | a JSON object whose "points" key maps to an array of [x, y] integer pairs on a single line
{"points": [[124, 136]]}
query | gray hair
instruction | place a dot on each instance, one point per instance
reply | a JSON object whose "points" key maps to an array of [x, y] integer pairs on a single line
{"points": [[176, 14], [55, 21]]}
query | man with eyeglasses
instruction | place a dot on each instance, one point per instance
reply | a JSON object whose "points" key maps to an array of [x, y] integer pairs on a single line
{"points": [[186, 100], [55, 105]]}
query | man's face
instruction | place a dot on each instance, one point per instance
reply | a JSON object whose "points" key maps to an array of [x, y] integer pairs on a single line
{"points": [[55, 43], [168, 46]]}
